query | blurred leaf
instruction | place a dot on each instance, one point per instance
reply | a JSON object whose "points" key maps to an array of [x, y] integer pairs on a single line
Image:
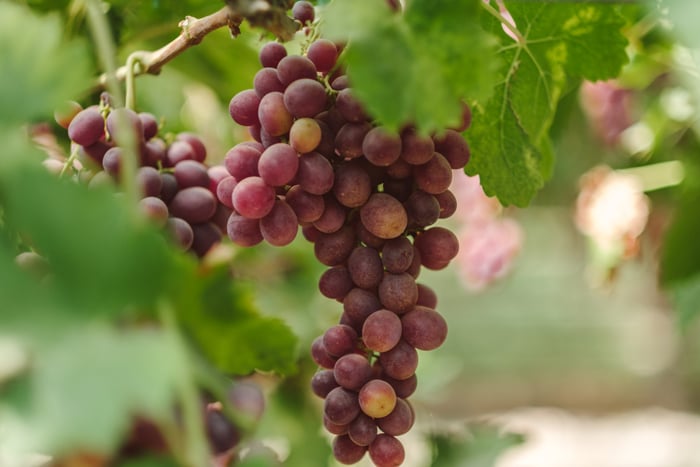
{"points": [[40, 70], [220, 316], [415, 67], [562, 41], [485, 446], [149, 462], [89, 384]]}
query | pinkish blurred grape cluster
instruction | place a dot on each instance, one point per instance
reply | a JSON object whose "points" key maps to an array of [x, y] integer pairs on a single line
{"points": [[489, 242], [607, 107]]}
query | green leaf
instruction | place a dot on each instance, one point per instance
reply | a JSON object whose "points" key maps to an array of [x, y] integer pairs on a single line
{"points": [[40, 70], [89, 385], [562, 42], [218, 313], [415, 67], [483, 448]]}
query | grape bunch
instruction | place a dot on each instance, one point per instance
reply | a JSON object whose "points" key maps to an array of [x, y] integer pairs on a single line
{"points": [[367, 198], [177, 189]]}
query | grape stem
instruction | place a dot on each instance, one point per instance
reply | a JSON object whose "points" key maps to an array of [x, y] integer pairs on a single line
{"points": [[258, 13], [506, 23]]}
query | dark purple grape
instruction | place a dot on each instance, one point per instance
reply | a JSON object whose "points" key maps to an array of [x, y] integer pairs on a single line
{"points": [[253, 198], [155, 152], [447, 202], [334, 248], [323, 382], [400, 362], [195, 204], [333, 217], [454, 148], [346, 451], [349, 107], [339, 340], [307, 207], [426, 296], [435, 176], [243, 107], [381, 147], [397, 255], [278, 164], [221, 433], [341, 406], [220, 217], [348, 140], [399, 170], [404, 388], [191, 173], [280, 226], [352, 371], [398, 292], [365, 267], [112, 161], [359, 304], [266, 81], [315, 173], [416, 149], [177, 152], [87, 127], [303, 12], [149, 123], [437, 246], [305, 98], [169, 187], [149, 181], [323, 54], [386, 451], [381, 331], [423, 209], [294, 67], [206, 235], [335, 282], [320, 355], [363, 430], [424, 328], [181, 232], [271, 54], [243, 231]]}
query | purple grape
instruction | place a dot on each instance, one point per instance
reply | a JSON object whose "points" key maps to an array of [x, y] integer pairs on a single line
{"points": [[315, 173], [121, 121], [266, 81], [273, 115], [177, 152], [149, 181], [195, 204], [323, 54], [224, 191], [278, 164], [87, 127], [303, 12], [241, 161], [191, 173], [149, 123], [243, 231], [294, 67], [280, 226], [253, 198], [243, 107], [200, 150], [271, 54], [206, 235], [305, 98]]}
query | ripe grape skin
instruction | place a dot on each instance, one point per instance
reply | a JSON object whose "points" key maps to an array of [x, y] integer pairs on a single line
{"points": [[334, 428], [426, 296], [346, 451], [397, 255], [352, 185], [87, 127], [339, 340], [404, 388], [253, 198], [399, 169], [349, 107], [278, 164], [363, 430], [454, 148], [308, 207], [155, 152], [416, 149], [399, 421], [315, 173], [224, 190], [206, 235], [398, 292], [359, 304], [448, 204], [241, 161], [149, 123], [377, 398], [154, 209], [323, 382], [271, 53], [334, 248], [381, 147], [273, 115], [352, 371], [305, 135], [181, 232], [341, 406], [365, 267], [177, 152], [424, 328], [195, 204], [320, 355], [333, 217], [169, 187], [384, 216], [305, 98], [381, 331], [243, 231], [149, 181], [323, 53], [294, 67], [400, 362], [437, 247], [335, 282], [280, 226], [200, 151], [348, 140], [423, 209], [435, 176], [243, 107], [221, 433], [191, 173], [303, 12], [266, 81], [386, 451], [216, 173]]}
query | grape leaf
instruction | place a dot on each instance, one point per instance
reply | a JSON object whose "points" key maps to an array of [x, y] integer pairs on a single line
{"points": [[483, 448], [561, 43], [415, 67], [32, 58], [218, 313]]}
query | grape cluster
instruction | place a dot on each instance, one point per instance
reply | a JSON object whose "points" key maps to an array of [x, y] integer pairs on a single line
{"points": [[367, 198], [178, 190]]}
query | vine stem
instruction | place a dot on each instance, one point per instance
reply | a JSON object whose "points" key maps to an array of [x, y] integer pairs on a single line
{"points": [[510, 26]]}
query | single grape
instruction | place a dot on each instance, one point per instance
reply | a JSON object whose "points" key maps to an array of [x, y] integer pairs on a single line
{"points": [[397, 255], [339, 340], [348, 140], [87, 127], [335, 282], [305, 98], [400, 362], [181, 232], [399, 421], [398, 292], [424, 328], [303, 12], [426, 296], [352, 371], [243, 231], [243, 107], [124, 125], [305, 135], [195, 204], [437, 246], [365, 267], [112, 161], [381, 331], [377, 398], [399, 169], [154, 209], [323, 382], [334, 248], [221, 433], [253, 198], [341, 406], [416, 149], [216, 173], [191, 173], [349, 107], [386, 451], [363, 430], [333, 216], [241, 161], [404, 388], [315, 173], [423, 209], [271, 54], [447, 202], [149, 123], [294, 67], [273, 115], [323, 54], [320, 355], [149, 181], [359, 304], [280, 226], [435, 176], [352, 185], [266, 81], [334, 428], [168, 188], [206, 235], [278, 164], [155, 151], [177, 152], [454, 147], [308, 207], [384, 216], [346, 451], [381, 147]]}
